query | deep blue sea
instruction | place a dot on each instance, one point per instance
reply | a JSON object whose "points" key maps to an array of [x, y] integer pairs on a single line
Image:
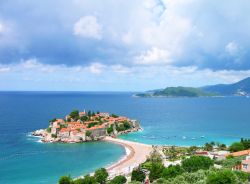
{"points": [[168, 121]]}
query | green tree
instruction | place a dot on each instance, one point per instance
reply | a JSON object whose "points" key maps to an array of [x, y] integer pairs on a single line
{"points": [[118, 180], [89, 113], [65, 180], [195, 163], [242, 176], [156, 171], [222, 177], [237, 146], [78, 181], [88, 133], [127, 125], [89, 180], [48, 129], [172, 171], [222, 146], [138, 175], [192, 149], [53, 120], [110, 129], [84, 118], [246, 143], [114, 116], [208, 147], [101, 175], [74, 114]]}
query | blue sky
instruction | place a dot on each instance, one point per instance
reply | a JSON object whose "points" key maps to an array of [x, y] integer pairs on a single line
{"points": [[117, 45]]}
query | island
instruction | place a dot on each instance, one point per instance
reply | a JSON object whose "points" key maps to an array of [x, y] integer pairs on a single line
{"points": [[177, 92], [86, 126], [240, 88]]}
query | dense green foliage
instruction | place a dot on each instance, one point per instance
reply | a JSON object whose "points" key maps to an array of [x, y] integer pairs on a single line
{"points": [[48, 129], [156, 171], [53, 120], [84, 118], [182, 92], [74, 114], [138, 175], [172, 171], [118, 180], [101, 175], [246, 143], [231, 161], [195, 163], [110, 129], [237, 146], [92, 124], [88, 133], [65, 180], [222, 177], [114, 116]]}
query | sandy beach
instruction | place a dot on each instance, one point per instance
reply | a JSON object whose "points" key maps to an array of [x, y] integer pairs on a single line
{"points": [[136, 154]]}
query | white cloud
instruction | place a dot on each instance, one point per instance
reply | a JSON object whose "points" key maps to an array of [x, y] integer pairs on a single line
{"points": [[232, 48], [121, 69], [88, 27], [31, 63], [1, 28], [127, 38], [154, 56], [4, 69], [96, 68]]}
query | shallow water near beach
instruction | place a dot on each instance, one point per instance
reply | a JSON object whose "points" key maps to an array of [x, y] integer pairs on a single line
{"points": [[168, 121]]}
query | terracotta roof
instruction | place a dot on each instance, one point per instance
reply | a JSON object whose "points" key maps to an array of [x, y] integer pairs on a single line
{"points": [[239, 153], [95, 127], [64, 130]]}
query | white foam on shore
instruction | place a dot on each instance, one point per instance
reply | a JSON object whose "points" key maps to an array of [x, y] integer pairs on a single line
{"points": [[31, 137]]}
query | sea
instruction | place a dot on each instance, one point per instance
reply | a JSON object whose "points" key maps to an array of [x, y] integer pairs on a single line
{"points": [[165, 121]]}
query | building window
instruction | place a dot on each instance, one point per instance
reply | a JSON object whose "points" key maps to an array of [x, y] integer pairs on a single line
{"points": [[245, 166]]}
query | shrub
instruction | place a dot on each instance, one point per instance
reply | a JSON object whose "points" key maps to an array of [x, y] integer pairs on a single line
{"points": [[127, 125], [53, 135], [237, 146], [89, 180], [74, 114], [110, 129], [208, 147], [118, 180], [53, 120], [138, 175], [156, 171], [222, 177], [232, 161], [172, 171], [101, 175], [114, 116], [242, 176], [48, 129], [78, 181], [65, 180], [195, 163], [88, 133], [246, 143]]}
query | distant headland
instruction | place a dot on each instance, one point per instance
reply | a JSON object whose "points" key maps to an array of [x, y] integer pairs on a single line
{"points": [[86, 126], [241, 88]]}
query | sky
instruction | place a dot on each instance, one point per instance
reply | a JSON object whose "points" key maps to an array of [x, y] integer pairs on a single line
{"points": [[122, 45]]}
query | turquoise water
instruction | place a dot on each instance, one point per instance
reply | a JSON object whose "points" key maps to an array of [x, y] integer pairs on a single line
{"points": [[175, 121]]}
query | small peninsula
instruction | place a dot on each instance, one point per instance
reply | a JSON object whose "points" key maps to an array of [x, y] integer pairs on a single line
{"points": [[86, 126]]}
